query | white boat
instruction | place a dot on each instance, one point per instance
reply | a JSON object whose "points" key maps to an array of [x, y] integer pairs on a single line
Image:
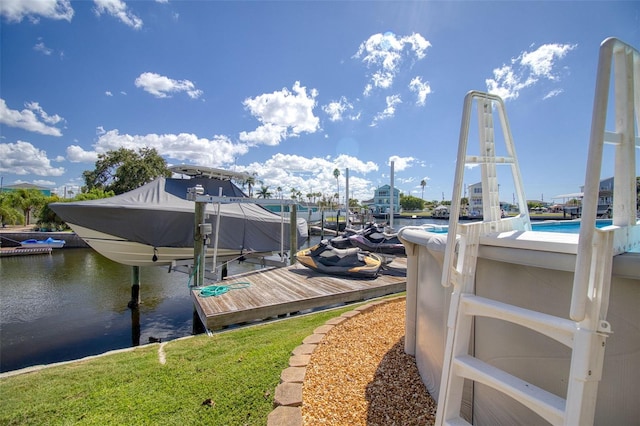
{"points": [[154, 224], [48, 243]]}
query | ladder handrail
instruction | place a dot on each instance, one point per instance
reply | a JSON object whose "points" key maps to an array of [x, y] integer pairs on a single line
{"points": [[522, 220], [627, 99]]}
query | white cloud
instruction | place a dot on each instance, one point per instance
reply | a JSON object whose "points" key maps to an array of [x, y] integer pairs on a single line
{"points": [[389, 111], [527, 69], [108, 93], [337, 110], [553, 93], [49, 119], [40, 47], [283, 114], [162, 87], [422, 89], [401, 163], [76, 154], [16, 10], [309, 175], [23, 158], [119, 10], [33, 119], [184, 147], [385, 53]]}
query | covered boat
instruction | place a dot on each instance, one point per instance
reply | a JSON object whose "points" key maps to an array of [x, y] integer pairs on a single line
{"points": [[154, 224], [352, 262], [48, 243]]}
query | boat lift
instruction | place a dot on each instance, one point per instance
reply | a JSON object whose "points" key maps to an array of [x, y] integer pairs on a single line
{"points": [[203, 230]]}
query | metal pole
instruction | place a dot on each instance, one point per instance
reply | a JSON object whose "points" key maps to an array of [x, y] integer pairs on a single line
{"points": [[391, 204], [347, 192], [293, 233], [215, 243], [281, 230], [198, 246]]}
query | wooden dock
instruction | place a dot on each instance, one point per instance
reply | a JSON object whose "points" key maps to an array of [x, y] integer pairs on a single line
{"points": [[279, 291], [17, 251]]}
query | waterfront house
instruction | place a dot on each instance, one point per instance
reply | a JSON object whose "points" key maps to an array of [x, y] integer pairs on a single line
{"points": [[382, 200]]}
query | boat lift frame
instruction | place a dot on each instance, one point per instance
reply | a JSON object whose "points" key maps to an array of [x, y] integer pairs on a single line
{"points": [[203, 230]]}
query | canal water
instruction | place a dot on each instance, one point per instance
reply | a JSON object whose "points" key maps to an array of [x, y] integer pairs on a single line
{"points": [[73, 303]]}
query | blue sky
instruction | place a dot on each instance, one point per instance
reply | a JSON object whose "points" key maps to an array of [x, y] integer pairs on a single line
{"points": [[291, 90]]}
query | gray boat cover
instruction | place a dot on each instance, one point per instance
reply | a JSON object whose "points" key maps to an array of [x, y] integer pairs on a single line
{"points": [[158, 214]]}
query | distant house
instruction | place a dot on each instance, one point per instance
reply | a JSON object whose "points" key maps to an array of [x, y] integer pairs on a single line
{"points": [[475, 199], [382, 200], [11, 188], [605, 197]]}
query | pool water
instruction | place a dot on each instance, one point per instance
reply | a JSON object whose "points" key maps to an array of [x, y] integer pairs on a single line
{"points": [[565, 227]]}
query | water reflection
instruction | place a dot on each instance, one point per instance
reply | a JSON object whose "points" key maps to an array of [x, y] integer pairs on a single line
{"points": [[73, 303]]}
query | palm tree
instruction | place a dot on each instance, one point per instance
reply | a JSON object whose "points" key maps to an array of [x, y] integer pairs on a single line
{"points": [[250, 182], [336, 174], [264, 192], [423, 183], [27, 200], [279, 191]]}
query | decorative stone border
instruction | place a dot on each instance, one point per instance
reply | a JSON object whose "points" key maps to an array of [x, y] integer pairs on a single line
{"points": [[287, 401]]}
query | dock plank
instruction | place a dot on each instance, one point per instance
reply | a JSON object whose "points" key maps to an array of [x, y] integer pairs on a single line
{"points": [[279, 291]]}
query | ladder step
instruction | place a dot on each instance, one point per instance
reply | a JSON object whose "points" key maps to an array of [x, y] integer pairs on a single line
{"points": [[560, 329], [481, 159], [546, 404]]}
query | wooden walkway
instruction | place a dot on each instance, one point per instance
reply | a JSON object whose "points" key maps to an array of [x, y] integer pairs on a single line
{"points": [[280, 291], [17, 251]]}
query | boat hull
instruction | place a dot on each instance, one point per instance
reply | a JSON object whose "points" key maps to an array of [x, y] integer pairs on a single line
{"points": [[154, 224], [136, 254]]}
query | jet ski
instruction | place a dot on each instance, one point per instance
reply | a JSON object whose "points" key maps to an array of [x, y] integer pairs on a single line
{"points": [[351, 262], [378, 242]]}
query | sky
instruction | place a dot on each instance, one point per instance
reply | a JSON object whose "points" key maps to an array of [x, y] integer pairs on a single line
{"points": [[291, 90]]}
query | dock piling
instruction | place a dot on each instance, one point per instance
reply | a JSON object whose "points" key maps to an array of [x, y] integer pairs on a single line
{"points": [[135, 287]]}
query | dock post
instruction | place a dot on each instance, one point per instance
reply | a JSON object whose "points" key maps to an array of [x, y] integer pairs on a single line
{"points": [[198, 243], [135, 287], [293, 233]]}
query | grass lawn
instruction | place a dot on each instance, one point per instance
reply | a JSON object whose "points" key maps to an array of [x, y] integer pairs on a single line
{"points": [[236, 370]]}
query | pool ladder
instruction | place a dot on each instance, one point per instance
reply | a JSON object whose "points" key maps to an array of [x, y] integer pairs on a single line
{"points": [[586, 330]]}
